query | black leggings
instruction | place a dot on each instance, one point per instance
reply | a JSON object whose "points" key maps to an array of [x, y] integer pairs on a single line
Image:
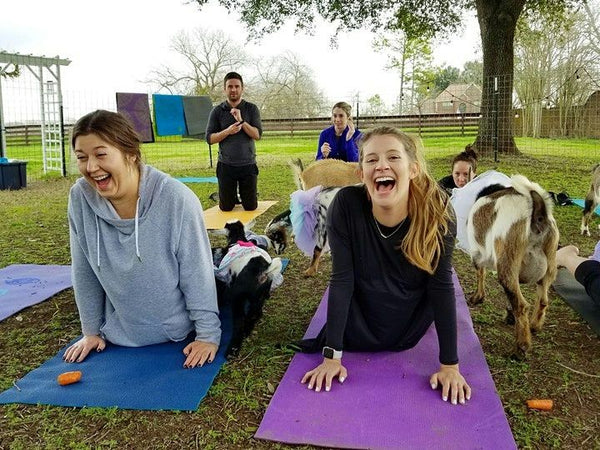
{"points": [[229, 178]]}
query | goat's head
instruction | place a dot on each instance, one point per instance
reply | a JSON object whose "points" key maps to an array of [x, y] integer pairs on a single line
{"points": [[235, 231], [278, 231]]}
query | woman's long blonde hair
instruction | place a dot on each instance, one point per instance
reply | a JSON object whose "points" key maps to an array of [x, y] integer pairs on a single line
{"points": [[423, 245]]}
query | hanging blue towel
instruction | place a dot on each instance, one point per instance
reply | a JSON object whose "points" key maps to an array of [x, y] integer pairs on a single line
{"points": [[168, 115]]}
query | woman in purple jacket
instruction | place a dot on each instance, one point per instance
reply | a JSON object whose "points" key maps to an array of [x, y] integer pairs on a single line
{"points": [[339, 140]]}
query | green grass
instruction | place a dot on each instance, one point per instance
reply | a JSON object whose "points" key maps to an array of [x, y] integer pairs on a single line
{"points": [[34, 230]]}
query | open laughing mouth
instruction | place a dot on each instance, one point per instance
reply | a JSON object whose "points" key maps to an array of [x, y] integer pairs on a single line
{"points": [[384, 184], [102, 181]]}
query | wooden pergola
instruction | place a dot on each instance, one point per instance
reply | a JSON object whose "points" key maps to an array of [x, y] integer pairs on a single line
{"points": [[47, 71]]}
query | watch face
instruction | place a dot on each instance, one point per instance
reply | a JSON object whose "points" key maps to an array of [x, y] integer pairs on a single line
{"points": [[328, 352]]}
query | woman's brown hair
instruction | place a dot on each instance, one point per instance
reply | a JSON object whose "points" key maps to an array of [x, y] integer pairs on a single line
{"points": [[427, 205], [469, 156], [112, 127]]}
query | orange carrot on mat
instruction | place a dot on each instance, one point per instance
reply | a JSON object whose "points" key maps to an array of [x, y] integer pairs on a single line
{"points": [[541, 404], [69, 377]]}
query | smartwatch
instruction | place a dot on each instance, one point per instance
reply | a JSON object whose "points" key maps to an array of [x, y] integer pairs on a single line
{"points": [[331, 353]]}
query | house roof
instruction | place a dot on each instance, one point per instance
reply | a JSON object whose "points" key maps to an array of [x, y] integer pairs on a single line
{"points": [[456, 91]]}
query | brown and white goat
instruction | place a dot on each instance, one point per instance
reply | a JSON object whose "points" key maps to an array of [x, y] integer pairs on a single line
{"points": [[512, 230], [592, 199], [325, 172]]}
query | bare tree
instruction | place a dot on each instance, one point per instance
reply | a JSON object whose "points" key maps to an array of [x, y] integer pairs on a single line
{"points": [[409, 56], [206, 57], [553, 63], [284, 87]]}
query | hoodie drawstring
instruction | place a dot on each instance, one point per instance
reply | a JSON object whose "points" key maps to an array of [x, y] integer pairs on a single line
{"points": [[137, 247], [97, 241]]}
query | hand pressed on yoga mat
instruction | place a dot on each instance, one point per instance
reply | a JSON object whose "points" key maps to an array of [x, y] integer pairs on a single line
{"points": [[80, 349], [453, 384], [198, 353], [325, 372]]}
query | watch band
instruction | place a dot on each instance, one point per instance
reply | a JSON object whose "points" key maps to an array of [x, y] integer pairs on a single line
{"points": [[331, 353]]}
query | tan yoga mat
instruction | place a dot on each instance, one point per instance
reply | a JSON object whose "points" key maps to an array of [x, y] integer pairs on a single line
{"points": [[215, 219]]}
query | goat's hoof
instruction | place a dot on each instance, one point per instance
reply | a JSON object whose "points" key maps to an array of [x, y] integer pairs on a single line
{"points": [[510, 318], [475, 300], [519, 354], [310, 272]]}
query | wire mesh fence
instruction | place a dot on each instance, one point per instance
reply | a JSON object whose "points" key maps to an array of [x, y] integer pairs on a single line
{"points": [[538, 128]]}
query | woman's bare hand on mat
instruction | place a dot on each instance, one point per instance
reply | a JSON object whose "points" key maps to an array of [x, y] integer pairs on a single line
{"points": [[454, 386], [198, 353], [80, 349], [326, 371]]}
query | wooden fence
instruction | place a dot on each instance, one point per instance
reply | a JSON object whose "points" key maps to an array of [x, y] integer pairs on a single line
{"points": [[431, 123]]}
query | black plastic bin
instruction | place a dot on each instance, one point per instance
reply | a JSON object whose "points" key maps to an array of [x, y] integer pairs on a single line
{"points": [[13, 175]]}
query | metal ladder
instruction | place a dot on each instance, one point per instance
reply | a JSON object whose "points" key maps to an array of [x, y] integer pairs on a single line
{"points": [[52, 135]]}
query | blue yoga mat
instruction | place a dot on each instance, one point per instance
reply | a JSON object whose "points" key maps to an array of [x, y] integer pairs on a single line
{"points": [[23, 285], [145, 378], [198, 179], [168, 115], [581, 203]]}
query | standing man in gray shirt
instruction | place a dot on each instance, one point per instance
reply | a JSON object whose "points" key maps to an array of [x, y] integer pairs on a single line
{"points": [[235, 125]]}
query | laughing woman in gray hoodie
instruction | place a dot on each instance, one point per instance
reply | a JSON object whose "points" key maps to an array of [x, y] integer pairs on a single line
{"points": [[141, 260]]}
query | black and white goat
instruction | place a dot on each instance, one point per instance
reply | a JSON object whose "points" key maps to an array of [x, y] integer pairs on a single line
{"points": [[592, 199], [512, 230], [280, 229], [244, 274]]}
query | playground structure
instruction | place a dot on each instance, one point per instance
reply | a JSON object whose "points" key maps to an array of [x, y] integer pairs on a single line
{"points": [[47, 72]]}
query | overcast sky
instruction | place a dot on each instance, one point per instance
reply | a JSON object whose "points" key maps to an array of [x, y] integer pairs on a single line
{"points": [[114, 44]]}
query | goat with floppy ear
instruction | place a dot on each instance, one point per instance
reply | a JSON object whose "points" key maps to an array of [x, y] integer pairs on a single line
{"points": [[592, 199], [512, 230], [244, 274]]}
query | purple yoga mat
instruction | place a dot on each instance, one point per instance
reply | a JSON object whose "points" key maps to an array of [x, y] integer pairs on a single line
{"points": [[386, 401], [23, 285], [137, 109]]}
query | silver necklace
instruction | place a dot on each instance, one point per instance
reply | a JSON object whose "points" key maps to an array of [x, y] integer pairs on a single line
{"points": [[392, 233]]}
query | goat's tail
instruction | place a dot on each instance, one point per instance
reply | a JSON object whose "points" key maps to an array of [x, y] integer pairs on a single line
{"points": [[298, 168], [541, 202], [274, 267]]}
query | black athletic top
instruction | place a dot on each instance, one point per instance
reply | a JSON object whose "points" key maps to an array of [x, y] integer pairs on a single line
{"points": [[377, 299], [447, 184], [588, 274]]}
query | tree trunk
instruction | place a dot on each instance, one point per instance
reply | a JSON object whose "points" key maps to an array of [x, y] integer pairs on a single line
{"points": [[497, 24]]}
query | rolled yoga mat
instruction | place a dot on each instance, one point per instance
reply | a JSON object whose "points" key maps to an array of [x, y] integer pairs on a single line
{"points": [[23, 285], [387, 403]]}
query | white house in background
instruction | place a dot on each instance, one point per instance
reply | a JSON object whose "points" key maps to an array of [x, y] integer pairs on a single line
{"points": [[455, 99]]}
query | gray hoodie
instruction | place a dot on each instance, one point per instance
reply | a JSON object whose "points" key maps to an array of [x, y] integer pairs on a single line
{"points": [[145, 280]]}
